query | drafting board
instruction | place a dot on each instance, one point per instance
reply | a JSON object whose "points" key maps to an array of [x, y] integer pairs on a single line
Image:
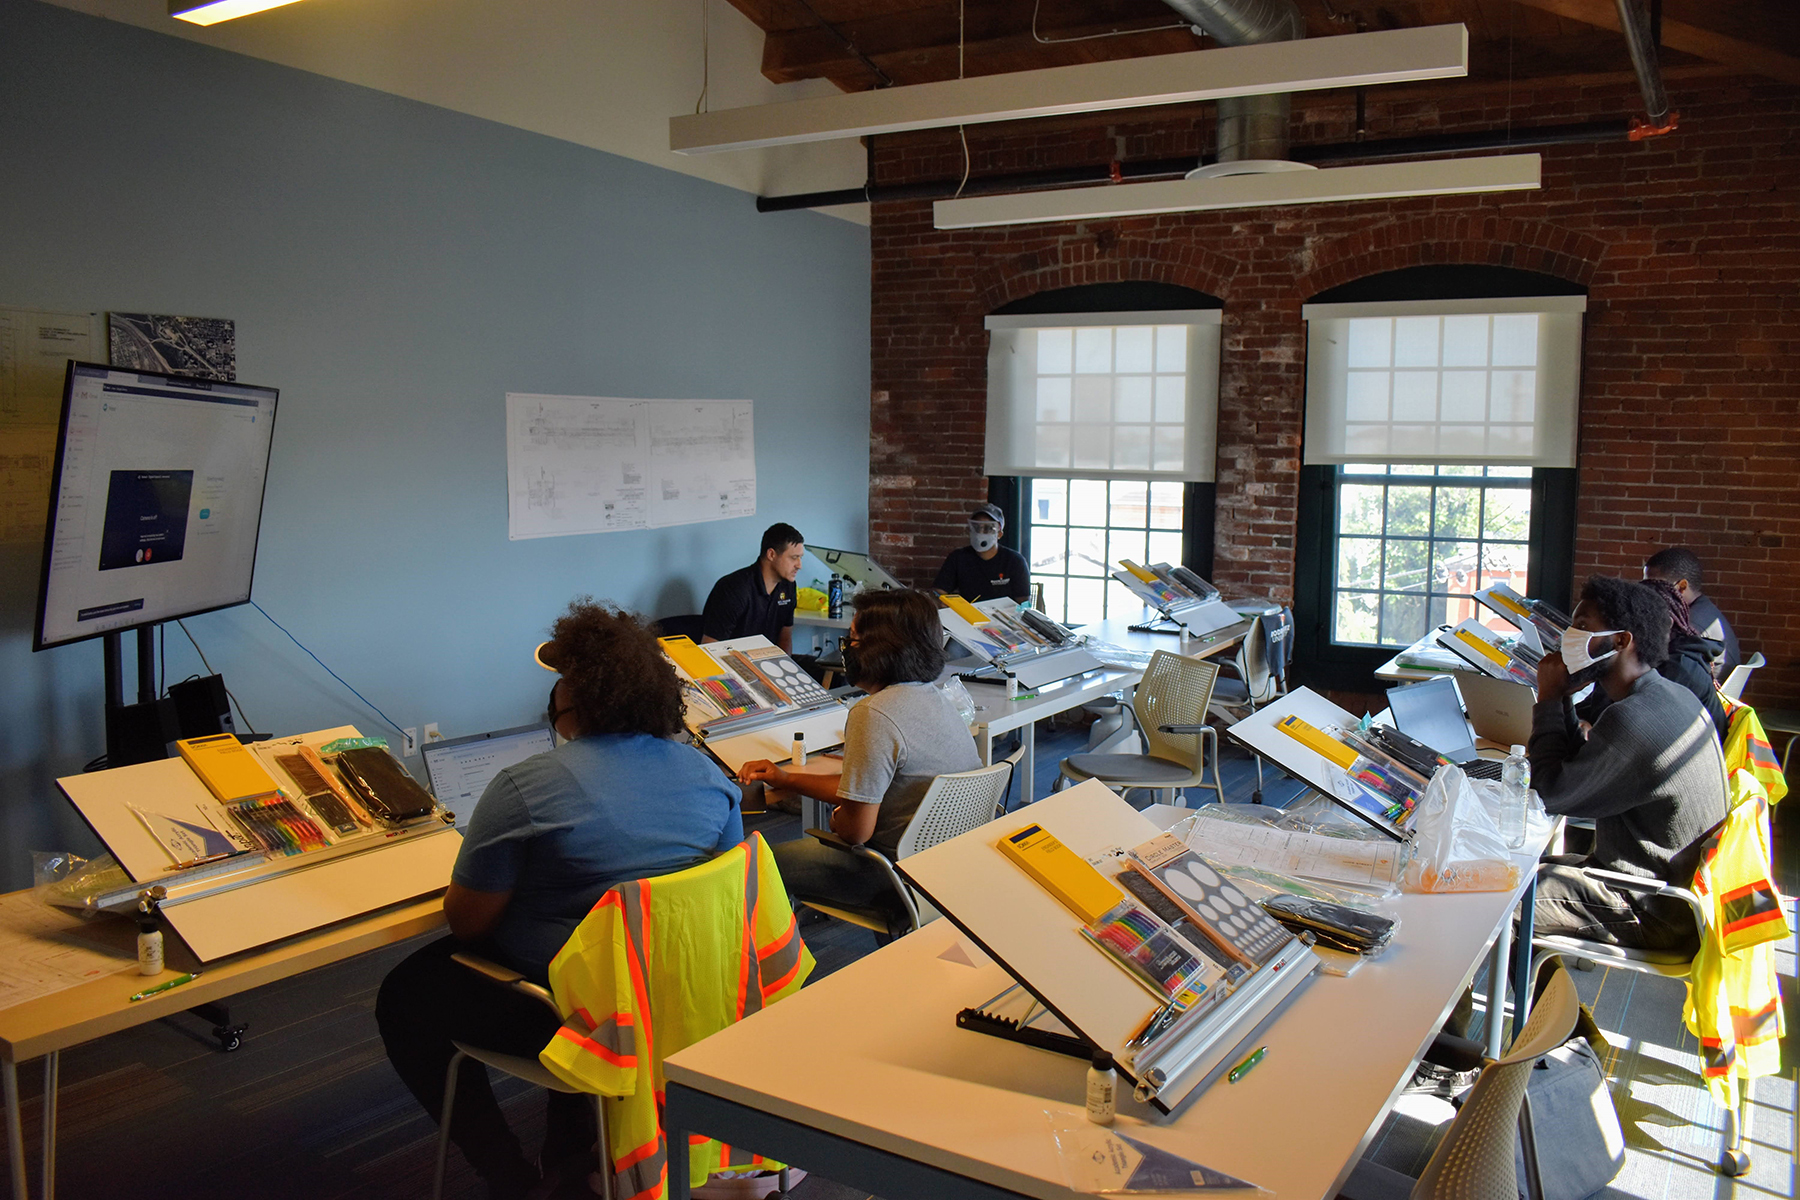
{"points": [[769, 735], [1036, 662], [1258, 732], [1039, 942], [252, 901]]}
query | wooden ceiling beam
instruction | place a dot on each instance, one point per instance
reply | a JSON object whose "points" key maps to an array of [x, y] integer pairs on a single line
{"points": [[1771, 56]]}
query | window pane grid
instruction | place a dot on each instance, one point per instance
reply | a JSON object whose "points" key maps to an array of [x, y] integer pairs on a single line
{"points": [[1413, 543], [1081, 528]]}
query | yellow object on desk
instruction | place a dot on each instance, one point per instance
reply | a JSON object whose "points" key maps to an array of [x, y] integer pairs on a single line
{"points": [[1318, 741], [1062, 872], [965, 610], [690, 658], [228, 770]]}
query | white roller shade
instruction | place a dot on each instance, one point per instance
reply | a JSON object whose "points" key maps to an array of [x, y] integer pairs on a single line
{"points": [[1104, 395], [1493, 381]]}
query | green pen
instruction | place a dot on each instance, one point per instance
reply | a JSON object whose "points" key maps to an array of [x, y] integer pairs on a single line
{"points": [[1244, 1068], [163, 987]]}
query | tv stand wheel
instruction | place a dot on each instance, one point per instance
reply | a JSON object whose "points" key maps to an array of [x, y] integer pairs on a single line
{"points": [[231, 1037]]}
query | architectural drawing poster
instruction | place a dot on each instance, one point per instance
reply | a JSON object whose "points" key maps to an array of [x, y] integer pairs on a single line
{"points": [[593, 464]]}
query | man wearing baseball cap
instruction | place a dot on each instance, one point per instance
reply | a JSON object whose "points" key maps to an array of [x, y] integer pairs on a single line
{"points": [[984, 569]]}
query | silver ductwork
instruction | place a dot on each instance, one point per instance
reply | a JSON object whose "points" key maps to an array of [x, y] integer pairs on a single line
{"points": [[1251, 128], [1636, 28]]}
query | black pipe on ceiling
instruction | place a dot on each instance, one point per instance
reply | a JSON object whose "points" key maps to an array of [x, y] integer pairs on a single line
{"points": [[1162, 168]]}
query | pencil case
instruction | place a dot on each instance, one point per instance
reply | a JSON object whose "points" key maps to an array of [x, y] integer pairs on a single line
{"points": [[1336, 925], [383, 786]]}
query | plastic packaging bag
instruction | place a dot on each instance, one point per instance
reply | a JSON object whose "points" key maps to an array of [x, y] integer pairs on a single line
{"points": [[1100, 1160], [958, 695], [1457, 843], [68, 880]]}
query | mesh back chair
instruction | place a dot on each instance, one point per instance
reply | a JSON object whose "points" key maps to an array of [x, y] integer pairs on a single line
{"points": [[1261, 665], [953, 805], [518, 1066], [1170, 707], [1673, 964], [1475, 1160], [1733, 687]]}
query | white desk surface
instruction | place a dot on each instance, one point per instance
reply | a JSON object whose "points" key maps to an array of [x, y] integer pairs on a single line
{"points": [[999, 715], [1118, 631], [891, 1070]]}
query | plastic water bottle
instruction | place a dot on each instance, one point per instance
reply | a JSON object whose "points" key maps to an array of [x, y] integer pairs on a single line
{"points": [[834, 598], [1515, 782]]}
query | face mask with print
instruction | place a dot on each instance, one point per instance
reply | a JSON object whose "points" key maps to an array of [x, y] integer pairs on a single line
{"points": [[1574, 648], [852, 664], [983, 537]]}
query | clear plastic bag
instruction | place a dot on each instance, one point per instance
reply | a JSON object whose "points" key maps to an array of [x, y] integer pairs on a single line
{"points": [[68, 880], [1099, 1160], [1458, 845], [958, 695]]}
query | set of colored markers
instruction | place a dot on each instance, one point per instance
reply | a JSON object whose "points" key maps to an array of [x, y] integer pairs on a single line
{"points": [[278, 826]]}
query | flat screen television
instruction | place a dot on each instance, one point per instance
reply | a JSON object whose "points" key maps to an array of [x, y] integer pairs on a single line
{"points": [[155, 500]]}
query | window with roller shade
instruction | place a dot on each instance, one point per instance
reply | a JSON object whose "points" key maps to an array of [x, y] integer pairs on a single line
{"points": [[1107, 422]]}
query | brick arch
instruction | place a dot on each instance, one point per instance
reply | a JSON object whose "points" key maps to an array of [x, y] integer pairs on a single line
{"points": [[1453, 238], [1102, 257]]}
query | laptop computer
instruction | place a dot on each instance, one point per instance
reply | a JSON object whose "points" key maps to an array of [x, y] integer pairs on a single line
{"points": [[1432, 712], [1499, 709], [458, 770]]}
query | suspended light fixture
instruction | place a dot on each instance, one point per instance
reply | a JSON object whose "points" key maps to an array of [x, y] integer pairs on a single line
{"points": [[211, 12], [1380, 181], [1349, 60]]}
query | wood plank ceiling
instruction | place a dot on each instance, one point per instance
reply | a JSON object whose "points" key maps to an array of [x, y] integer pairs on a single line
{"points": [[859, 44]]}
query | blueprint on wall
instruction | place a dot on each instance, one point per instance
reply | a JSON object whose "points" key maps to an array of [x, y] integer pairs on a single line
{"points": [[593, 464]]}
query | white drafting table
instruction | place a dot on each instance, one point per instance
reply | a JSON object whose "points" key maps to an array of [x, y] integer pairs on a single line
{"points": [[902, 1103]]}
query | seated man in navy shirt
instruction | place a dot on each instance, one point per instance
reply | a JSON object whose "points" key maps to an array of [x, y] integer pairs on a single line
{"points": [[760, 597], [1680, 566], [618, 799], [984, 569]]}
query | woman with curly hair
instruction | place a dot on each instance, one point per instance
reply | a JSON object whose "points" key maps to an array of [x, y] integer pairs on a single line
{"points": [[617, 799]]}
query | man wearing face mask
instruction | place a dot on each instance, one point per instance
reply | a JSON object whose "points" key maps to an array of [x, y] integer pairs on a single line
{"points": [[984, 569], [1649, 773]]}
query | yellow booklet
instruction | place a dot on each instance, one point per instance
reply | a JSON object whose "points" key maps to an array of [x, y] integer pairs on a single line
{"points": [[690, 658], [226, 767], [1062, 872], [965, 610]]}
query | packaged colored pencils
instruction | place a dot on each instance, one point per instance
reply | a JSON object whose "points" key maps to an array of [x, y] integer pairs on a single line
{"points": [[1153, 954]]}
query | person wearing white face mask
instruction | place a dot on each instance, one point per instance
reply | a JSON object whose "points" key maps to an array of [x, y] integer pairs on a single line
{"points": [[984, 569], [1650, 773]]}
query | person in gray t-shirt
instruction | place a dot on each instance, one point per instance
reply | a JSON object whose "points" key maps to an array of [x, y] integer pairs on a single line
{"points": [[895, 743]]}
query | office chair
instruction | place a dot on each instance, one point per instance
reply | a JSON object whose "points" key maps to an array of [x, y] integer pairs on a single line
{"points": [[1735, 682], [1475, 1160], [528, 1069], [1261, 666], [687, 625], [1170, 709], [953, 805], [1672, 964]]}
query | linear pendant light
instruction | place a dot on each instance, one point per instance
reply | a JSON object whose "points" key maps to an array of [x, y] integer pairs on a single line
{"points": [[211, 12], [1348, 60], [1379, 181]]}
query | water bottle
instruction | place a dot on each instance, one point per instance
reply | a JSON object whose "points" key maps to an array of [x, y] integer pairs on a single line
{"points": [[834, 599], [1515, 783]]}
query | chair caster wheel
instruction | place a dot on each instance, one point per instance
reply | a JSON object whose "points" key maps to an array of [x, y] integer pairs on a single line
{"points": [[1584, 964], [230, 1037], [1734, 1163]]}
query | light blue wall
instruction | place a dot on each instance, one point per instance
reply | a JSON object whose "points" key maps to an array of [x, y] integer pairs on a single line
{"points": [[395, 269]]}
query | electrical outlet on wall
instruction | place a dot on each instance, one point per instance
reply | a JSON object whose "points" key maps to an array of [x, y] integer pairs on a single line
{"points": [[432, 734], [409, 744]]}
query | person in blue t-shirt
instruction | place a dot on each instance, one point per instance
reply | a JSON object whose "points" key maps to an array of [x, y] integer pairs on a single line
{"points": [[617, 799]]}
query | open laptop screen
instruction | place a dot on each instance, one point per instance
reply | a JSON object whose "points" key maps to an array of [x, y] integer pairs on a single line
{"points": [[460, 769], [1432, 712]]}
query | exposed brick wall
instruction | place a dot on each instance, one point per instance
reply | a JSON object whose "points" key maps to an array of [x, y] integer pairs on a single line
{"points": [[1689, 245]]}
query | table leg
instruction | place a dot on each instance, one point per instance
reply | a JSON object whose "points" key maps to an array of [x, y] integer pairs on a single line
{"points": [[1521, 963], [1498, 960], [15, 1129], [676, 1140], [52, 1063], [1028, 763], [984, 746]]}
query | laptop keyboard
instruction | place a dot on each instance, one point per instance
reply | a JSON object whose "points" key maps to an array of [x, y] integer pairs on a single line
{"points": [[1481, 768]]}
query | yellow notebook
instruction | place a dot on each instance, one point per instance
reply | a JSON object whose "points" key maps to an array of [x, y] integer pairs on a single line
{"points": [[1480, 646], [1062, 872], [965, 610], [690, 658], [226, 767], [1318, 741]]}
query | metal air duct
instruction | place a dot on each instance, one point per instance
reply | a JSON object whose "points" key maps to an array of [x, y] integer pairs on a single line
{"points": [[1250, 128]]}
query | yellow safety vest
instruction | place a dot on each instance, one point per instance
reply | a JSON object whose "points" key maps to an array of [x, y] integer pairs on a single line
{"points": [[634, 995]]}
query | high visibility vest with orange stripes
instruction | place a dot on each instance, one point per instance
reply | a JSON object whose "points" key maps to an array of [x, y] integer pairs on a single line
{"points": [[634, 991], [1734, 1000]]}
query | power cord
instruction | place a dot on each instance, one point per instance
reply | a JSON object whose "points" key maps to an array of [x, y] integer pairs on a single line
{"points": [[277, 624]]}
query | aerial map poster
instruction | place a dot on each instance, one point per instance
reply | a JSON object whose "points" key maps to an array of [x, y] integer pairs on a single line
{"points": [[594, 464], [202, 346]]}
